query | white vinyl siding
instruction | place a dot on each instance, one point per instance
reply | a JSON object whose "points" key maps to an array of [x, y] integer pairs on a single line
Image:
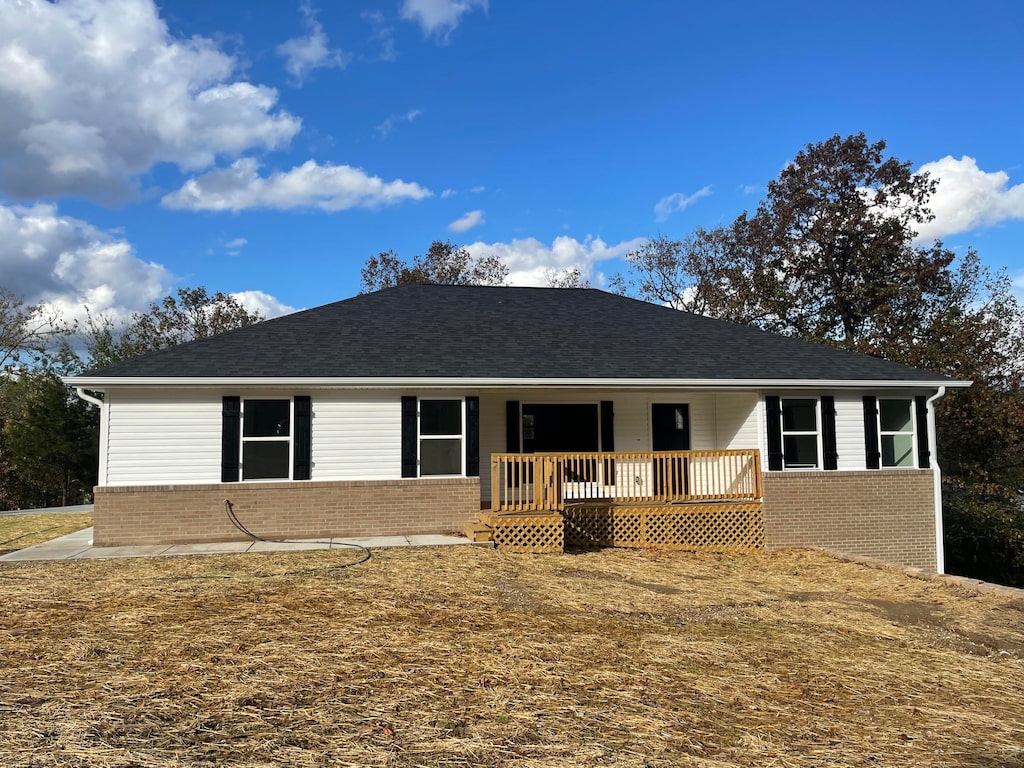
{"points": [[736, 420], [849, 422], [173, 440], [356, 436], [703, 431], [162, 437]]}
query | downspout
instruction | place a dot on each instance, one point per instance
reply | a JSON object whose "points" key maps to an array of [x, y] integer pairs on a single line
{"points": [[88, 398], [933, 449], [101, 475]]}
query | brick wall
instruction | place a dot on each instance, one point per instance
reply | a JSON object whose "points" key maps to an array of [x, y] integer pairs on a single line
{"points": [[889, 515], [195, 513]]}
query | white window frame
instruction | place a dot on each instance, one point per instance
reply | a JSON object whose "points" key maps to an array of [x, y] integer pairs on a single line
{"points": [[882, 435], [420, 437], [270, 439], [797, 433]]}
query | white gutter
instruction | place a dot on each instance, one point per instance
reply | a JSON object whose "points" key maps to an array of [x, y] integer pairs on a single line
{"points": [[88, 398], [426, 382], [940, 553], [101, 478]]}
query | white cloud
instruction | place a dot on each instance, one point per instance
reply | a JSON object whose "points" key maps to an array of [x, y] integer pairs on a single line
{"points": [[381, 33], [478, 189], [447, 193], [234, 247], [312, 51], [69, 264], [94, 93], [310, 185], [438, 17], [264, 303], [677, 201], [388, 126], [531, 262], [968, 198], [467, 221]]}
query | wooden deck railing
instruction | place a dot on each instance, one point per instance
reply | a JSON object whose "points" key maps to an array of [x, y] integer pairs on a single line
{"points": [[550, 481]]}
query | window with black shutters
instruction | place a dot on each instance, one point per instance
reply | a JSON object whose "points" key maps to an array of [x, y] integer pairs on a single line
{"points": [[441, 437], [266, 439]]}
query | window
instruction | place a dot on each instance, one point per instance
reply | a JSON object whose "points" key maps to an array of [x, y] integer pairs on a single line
{"points": [[896, 432], [266, 439], [440, 437], [800, 433]]}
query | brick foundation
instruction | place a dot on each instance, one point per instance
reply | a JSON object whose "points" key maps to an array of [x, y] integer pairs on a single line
{"points": [[175, 514], [889, 515]]}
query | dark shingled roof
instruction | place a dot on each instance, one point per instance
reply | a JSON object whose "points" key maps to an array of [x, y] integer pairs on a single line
{"points": [[503, 333]]}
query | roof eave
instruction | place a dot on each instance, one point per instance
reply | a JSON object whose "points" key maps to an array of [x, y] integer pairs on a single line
{"points": [[426, 382]]}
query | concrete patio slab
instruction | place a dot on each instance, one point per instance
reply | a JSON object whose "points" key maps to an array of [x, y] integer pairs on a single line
{"points": [[434, 540], [96, 553], [288, 546], [78, 546], [51, 553], [375, 542], [220, 548], [62, 548]]}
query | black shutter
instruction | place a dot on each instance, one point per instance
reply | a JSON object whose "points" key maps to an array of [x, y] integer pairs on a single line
{"points": [[773, 407], [512, 426], [230, 438], [472, 437], [872, 453], [923, 453], [409, 434], [828, 432], [607, 425], [302, 453]]}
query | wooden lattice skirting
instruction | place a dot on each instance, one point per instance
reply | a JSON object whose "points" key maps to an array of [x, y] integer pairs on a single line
{"points": [[720, 527], [541, 532]]}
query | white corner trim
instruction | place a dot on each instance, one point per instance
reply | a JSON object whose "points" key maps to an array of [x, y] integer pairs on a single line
{"points": [[940, 553]]}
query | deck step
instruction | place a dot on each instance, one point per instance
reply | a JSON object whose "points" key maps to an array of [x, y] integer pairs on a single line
{"points": [[478, 531]]}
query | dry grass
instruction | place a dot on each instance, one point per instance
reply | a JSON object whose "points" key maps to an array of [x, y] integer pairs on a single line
{"points": [[465, 656], [20, 531]]}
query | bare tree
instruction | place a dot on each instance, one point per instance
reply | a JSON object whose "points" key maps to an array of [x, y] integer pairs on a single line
{"points": [[444, 263], [24, 328]]}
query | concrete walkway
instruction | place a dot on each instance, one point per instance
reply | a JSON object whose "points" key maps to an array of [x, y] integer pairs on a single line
{"points": [[78, 546]]}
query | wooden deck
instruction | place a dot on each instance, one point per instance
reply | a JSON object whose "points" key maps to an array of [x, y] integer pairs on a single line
{"points": [[695, 500]]}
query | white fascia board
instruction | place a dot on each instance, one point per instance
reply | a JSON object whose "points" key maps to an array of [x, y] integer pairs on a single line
{"points": [[100, 383]]}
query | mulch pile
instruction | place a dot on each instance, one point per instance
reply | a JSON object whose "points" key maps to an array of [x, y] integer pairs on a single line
{"points": [[465, 657]]}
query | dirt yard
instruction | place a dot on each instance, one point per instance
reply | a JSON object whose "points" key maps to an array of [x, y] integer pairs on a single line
{"points": [[20, 531], [466, 656]]}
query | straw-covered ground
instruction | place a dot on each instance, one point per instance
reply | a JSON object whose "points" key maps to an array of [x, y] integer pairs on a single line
{"points": [[20, 531], [465, 656]]}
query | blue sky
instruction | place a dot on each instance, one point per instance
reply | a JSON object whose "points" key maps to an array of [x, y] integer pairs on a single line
{"points": [[268, 149]]}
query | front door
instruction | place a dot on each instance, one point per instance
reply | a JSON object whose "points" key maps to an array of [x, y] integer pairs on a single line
{"points": [[670, 431]]}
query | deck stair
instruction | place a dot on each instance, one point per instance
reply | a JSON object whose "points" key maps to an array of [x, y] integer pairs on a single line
{"points": [[524, 532], [478, 531]]}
